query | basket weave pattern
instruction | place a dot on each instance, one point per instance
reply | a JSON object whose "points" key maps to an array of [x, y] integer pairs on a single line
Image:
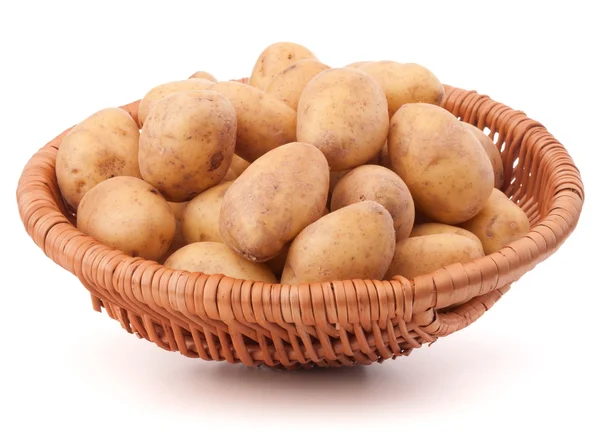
{"points": [[321, 324]]}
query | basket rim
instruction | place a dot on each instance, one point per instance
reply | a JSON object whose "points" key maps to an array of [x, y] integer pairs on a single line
{"points": [[166, 291]]}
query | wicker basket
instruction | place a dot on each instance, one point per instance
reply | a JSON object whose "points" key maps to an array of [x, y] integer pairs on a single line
{"points": [[340, 323]]}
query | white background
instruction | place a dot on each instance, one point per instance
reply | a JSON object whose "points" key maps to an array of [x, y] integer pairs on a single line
{"points": [[528, 368]]}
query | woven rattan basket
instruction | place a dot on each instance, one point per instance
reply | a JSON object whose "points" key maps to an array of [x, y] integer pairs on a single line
{"points": [[324, 324]]}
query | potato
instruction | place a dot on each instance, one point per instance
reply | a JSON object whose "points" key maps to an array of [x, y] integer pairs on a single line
{"points": [[288, 84], [102, 146], [277, 263], [200, 220], [499, 223], [420, 255], [354, 242], [275, 59], [178, 240], [335, 177], [405, 83], [213, 258], [275, 198], [491, 151], [357, 64], [229, 176], [204, 75], [238, 164], [161, 91], [343, 112], [434, 228], [187, 143], [448, 173], [128, 214], [376, 183], [384, 157], [264, 122]]}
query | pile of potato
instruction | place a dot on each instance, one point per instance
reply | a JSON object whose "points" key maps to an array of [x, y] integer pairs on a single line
{"points": [[305, 174]]}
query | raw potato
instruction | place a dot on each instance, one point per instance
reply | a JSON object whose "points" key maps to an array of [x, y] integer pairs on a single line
{"points": [[102, 146], [288, 84], [448, 173], [420, 255], [357, 64], [161, 91], [355, 242], [178, 240], [491, 151], [344, 113], [376, 183], [434, 228], [128, 214], [187, 143], [229, 176], [499, 223], [205, 75], [405, 83], [213, 258], [275, 198], [275, 59], [277, 263], [238, 164], [263, 121], [200, 221], [384, 157]]}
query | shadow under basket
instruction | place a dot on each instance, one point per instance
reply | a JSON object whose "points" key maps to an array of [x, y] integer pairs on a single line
{"points": [[331, 324]]}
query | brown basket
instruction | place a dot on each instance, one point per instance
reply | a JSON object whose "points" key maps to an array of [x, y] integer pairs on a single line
{"points": [[324, 324]]}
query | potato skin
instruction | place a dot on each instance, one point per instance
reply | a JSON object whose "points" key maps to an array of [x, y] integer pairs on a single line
{"points": [[420, 255], [354, 242], [187, 143], [102, 146], [273, 200], [161, 91], [274, 59], [238, 164], [448, 173], [178, 240], [288, 84], [405, 83], [204, 75], [376, 183], [263, 121], [128, 214], [351, 133], [499, 223], [213, 258], [491, 151], [200, 220], [435, 228]]}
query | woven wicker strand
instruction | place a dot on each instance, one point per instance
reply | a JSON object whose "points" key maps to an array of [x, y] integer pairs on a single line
{"points": [[341, 323]]}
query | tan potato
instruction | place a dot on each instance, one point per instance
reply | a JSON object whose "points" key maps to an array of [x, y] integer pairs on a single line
{"points": [[435, 228], [274, 59], [161, 91], [204, 75], [274, 199], [213, 258], [376, 183], [178, 240], [187, 143], [277, 263], [491, 151], [420, 255], [335, 177], [288, 84], [499, 223], [448, 173], [357, 64], [238, 164], [200, 221], [102, 146], [343, 112], [264, 122], [384, 157], [229, 176], [128, 214], [405, 83], [354, 242]]}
